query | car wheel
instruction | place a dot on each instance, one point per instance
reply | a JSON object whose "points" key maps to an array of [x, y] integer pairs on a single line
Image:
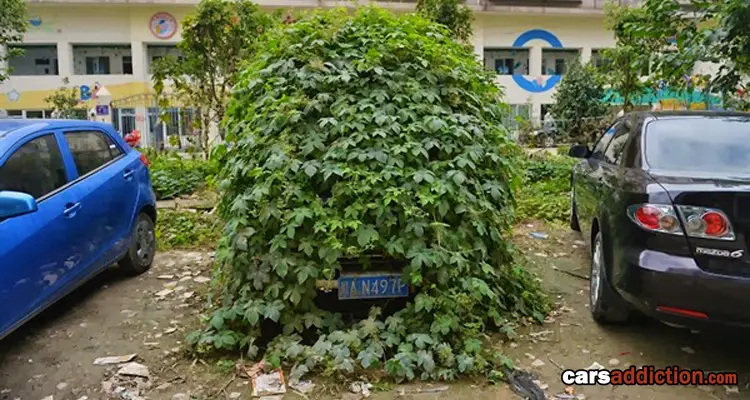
{"points": [[604, 303], [573, 213], [140, 256]]}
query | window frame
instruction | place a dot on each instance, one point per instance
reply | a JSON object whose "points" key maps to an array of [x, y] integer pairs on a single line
{"points": [[612, 126], [107, 136], [63, 157], [627, 130]]}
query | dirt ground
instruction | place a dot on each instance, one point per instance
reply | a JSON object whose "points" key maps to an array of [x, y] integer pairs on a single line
{"points": [[149, 316]]}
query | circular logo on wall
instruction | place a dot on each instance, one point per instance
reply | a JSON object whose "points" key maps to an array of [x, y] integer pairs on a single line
{"points": [[539, 84], [163, 25]]}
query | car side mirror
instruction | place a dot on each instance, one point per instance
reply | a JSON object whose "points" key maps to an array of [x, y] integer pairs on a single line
{"points": [[14, 204], [579, 151]]}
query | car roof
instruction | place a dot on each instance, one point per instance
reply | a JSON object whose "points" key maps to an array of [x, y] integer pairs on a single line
{"points": [[12, 130], [660, 115]]}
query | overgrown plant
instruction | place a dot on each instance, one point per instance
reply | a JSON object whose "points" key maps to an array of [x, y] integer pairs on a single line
{"points": [[187, 229], [368, 134], [216, 40], [544, 194], [455, 15], [578, 103], [173, 176], [65, 102], [13, 24]]}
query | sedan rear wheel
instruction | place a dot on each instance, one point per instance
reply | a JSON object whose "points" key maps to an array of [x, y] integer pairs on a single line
{"points": [[605, 305]]}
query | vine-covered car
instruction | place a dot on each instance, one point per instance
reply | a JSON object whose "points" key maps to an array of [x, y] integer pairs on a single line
{"points": [[74, 198]]}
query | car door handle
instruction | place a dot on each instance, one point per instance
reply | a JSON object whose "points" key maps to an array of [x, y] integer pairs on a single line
{"points": [[71, 209], [128, 175]]}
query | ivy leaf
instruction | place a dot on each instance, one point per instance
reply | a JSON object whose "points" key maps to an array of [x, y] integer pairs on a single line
{"points": [[421, 340], [366, 234], [310, 170], [272, 310], [424, 359], [472, 346], [465, 363]]}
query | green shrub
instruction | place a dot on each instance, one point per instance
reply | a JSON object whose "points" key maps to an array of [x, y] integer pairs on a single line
{"points": [[174, 176], [545, 192], [368, 134], [182, 229]]}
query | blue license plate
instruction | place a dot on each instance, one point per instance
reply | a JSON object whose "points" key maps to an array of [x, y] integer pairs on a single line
{"points": [[372, 286]]}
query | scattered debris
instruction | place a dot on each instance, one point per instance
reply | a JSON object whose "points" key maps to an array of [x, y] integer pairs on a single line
{"points": [[269, 384], [437, 389], [537, 363], [129, 313], [538, 235], [170, 330], [573, 274], [731, 389], [555, 363], [164, 293], [114, 359], [570, 390], [361, 387], [187, 295], [49, 398], [688, 350], [235, 395], [542, 333], [180, 396], [614, 362], [165, 277], [201, 279], [541, 385], [594, 366], [522, 384], [248, 371], [302, 386], [62, 386], [134, 369]]}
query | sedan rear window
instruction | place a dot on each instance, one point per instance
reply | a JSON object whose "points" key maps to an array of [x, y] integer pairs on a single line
{"points": [[699, 144]]}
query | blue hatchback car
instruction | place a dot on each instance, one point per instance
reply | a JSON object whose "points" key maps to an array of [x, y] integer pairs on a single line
{"points": [[74, 199]]}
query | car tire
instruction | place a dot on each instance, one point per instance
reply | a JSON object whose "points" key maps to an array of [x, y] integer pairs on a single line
{"points": [[605, 305], [142, 249], [574, 225]]}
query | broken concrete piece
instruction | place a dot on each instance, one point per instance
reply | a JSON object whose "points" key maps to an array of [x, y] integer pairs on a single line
{"points": [[165, 277], [201, 279], [164, 293], [594, 366], [537, 363], [114, 359], [302, 386], [361, 387], [134, 369]]}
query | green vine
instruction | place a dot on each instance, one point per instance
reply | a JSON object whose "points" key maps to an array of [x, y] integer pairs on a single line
{"points": [[359, 135]]}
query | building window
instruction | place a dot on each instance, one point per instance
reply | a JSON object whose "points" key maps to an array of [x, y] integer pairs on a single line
{"points": [[555, 61], [35, 60], [97, 65], [504, 66], [127, 120], [507, 61], [559, 66], [34, 114], [127, 65]]}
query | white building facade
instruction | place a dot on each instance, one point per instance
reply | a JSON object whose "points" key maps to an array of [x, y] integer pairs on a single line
{"points": [[95, 44]]}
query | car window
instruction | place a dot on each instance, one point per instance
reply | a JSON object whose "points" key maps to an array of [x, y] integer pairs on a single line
{"points": [[601, 145], [708, 144], [36, 168], [91, 150], [616, 146]]}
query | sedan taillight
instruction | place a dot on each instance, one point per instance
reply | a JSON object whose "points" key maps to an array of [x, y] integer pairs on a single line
{"points": [[698, 222]]}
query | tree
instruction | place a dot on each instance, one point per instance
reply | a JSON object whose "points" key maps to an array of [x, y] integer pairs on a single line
{"points": [[578, 102], [65, 102], [13, 24], [630, 56], [368, 134], [453, 14], [216, 40]]}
